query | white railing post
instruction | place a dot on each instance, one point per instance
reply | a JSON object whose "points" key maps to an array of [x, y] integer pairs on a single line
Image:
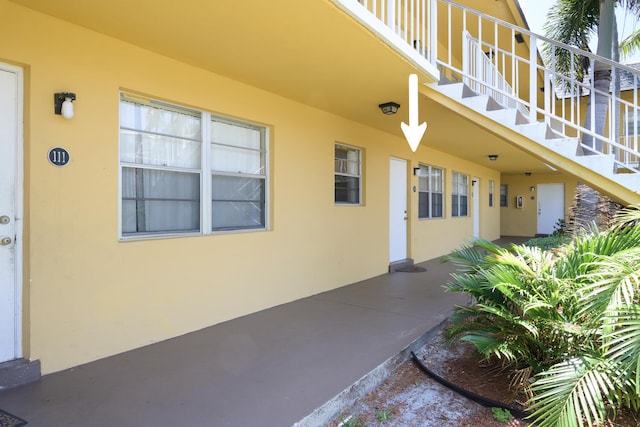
{"points": [[548, 96], [433, 31], [391, 14], [533, 79]]}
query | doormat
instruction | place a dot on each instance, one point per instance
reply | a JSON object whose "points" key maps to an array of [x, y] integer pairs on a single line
{"points": [[9, 420], [412, 269]]}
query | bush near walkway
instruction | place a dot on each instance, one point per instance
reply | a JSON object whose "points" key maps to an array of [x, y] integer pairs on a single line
{"points": [[567, 318]]}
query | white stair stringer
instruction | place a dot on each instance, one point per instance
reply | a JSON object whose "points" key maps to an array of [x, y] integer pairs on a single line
{"points": [[538, 132]]}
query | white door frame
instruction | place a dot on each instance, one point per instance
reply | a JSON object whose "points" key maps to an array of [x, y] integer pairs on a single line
{"points": [[475, 194], [15, 108], [397, 209]]}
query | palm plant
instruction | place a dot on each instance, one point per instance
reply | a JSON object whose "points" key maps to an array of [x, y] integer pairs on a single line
{"points": [[521, 313], [571, 316], [573, 22]]}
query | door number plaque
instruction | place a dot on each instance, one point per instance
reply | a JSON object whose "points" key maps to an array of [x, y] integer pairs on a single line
{"points": [[58, 156]]}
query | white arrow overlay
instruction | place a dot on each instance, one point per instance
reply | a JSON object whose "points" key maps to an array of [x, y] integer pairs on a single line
{"points": [[413, 131]]}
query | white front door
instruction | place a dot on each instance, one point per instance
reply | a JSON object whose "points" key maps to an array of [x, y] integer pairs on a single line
{"points": [[475, 188], [550, 206], [10, 211], [397, 210]]}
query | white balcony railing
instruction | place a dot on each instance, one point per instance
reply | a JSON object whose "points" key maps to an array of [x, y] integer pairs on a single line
{"points": [[502, 60]]}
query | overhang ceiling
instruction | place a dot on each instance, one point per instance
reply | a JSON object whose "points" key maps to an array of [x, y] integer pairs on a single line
{"points": [[309, 51]]}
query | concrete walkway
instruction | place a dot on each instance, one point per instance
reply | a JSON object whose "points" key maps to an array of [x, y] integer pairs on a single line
{"points": [[271, 368]]}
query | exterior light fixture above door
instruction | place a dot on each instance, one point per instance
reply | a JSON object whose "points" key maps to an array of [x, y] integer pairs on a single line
{"points": [[389, 108], [63, 104]]}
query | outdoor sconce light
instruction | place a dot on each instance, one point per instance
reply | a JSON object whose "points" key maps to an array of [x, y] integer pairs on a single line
{"points": [[416, 171], [63, 104], [389, 108], [519, 38], [493, 157]]}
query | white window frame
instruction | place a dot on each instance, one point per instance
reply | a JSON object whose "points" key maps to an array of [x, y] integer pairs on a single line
{"points": [[459, 189], [425, 174], [343, 173], [205, 171]]}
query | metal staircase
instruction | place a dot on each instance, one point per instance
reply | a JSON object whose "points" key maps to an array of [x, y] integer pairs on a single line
{"points": [[493, 70]]}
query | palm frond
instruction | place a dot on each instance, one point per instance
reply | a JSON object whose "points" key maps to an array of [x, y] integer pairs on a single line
{"points": [[573, 391], [630, 44], [614, 281], [622, 343]]}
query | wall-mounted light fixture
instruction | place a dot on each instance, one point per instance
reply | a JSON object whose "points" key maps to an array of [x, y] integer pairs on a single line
{"points": [[63, 104], [493, 157], [519, 38], [389, 108], [416, 171], [527, 173]]}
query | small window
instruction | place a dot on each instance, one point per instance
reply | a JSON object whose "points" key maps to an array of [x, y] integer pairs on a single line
{"points": [[459, 194], [491, 191], [348, 174], [431, 192], [503, 195]]}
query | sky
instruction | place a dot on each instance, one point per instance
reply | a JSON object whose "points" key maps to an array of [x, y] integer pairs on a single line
{"points": [[535, 12]]}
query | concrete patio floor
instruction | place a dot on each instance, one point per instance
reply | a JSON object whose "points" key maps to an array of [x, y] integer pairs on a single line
{"points": [[271, 368]]}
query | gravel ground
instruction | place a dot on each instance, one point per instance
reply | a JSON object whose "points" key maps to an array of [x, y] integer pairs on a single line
{"points": [[409, 398]]}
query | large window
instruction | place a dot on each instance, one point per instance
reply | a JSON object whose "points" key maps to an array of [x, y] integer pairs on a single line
{"points": [[187, 171], [347, 175], [431, 192], [459, 194]]}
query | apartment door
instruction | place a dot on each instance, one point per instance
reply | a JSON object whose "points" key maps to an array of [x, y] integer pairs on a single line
{"points": [[397, 210], [475, 194], [550, 206], [10, 147]]}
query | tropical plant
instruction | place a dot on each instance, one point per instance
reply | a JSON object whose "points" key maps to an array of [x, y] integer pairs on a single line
{"points": [[571, 316], [573, 22]]}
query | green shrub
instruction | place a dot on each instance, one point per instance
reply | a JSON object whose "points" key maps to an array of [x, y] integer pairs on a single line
{"points": [[549, 242], [571, 316]]}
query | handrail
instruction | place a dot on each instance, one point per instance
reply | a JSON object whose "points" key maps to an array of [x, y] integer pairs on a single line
{"points": [[502, 60]]}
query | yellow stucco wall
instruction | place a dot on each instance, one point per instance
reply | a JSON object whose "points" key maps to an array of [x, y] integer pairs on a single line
{"points": [[88, 295], [434, 237], [523, 222]]}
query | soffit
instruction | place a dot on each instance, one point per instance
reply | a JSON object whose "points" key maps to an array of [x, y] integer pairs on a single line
{"points": [[308, 51]]}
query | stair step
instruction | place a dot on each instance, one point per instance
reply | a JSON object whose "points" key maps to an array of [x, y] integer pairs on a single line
{"points": [[398, 265], [630, 181], [549, 135], [457, 91], [19, 371], [600, 163], [567, 147], [493, 105], [509, 117]]}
